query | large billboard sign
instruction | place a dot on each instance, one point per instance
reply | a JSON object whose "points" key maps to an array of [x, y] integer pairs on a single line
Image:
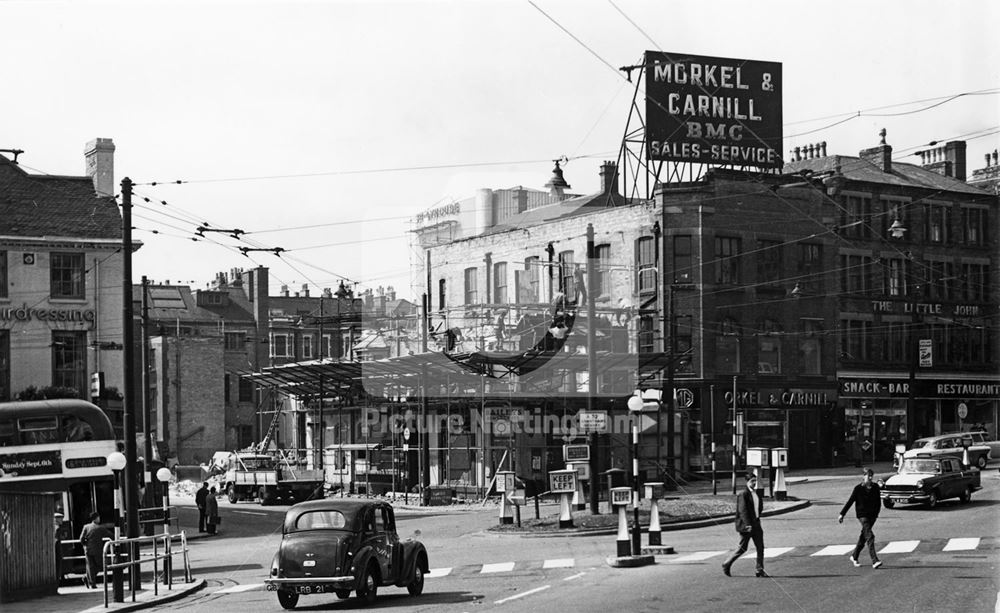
{"points": [[713, 110]]}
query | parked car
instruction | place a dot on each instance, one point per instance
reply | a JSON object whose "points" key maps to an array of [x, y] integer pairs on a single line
{"points": [[949, 445], [339, 546], [980, 438], [928, 479]]}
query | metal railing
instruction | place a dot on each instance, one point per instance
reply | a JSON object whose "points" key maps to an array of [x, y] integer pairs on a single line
{"points": [[117, 552]]}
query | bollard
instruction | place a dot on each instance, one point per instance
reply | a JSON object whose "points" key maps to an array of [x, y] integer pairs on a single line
{"points": [[779, 460], [620, 497], [654, 491], [780, 492], [565, 515], [505, 487]]}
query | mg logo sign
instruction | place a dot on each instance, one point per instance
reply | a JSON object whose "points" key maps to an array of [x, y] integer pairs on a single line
{"points": [[684, 398]]}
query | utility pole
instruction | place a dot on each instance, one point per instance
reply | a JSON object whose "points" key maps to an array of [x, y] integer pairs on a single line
{"points": [[591, 362], [671, 483], [144, 378], [322, 424], [128, 420]]}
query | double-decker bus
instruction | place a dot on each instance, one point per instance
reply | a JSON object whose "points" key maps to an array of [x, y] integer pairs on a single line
{"points": [[62, 447]]}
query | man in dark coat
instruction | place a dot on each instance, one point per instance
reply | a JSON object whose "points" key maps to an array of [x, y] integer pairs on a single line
{"points": [[748, 509], [211, 511], [199, 499], [93, 536], [867, 500]]}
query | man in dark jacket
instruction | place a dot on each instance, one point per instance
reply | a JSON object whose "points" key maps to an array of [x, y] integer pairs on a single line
{"points": [[867, 500], [199, 499], [748, 509], [93, 536]]}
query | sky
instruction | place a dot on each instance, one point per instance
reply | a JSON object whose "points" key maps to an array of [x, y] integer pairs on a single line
{"points": [[323, 128]]}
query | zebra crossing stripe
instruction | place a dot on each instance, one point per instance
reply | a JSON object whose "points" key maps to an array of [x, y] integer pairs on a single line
{"points": [[499, 567], [962, 544], [835, 550], [437, 572], [773, 552], [697, 556], [900, 547], [560, 563]]}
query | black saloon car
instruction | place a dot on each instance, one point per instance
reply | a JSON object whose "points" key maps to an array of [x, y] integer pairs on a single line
{"points": [[338, 546]]}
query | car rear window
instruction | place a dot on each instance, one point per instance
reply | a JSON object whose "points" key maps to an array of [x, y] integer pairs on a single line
{"points": [[319, 520]]}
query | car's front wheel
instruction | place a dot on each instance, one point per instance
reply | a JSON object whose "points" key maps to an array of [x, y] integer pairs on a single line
{"points": [[981, 462], [416, 587], [287, 599], [888, 503], [966, 495], [932, 501], [368, 588]]}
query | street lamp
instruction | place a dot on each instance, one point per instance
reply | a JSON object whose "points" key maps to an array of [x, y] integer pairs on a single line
{"points": [[116, 462], [634, 407], [163, 475]]}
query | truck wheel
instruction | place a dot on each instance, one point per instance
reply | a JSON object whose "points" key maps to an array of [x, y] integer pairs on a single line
{"points": [[231, 494], [888, 503], [287, 599], [981, 462], [368, 588], [265, 497], [932, 502], [966, 495], [416, 587]]}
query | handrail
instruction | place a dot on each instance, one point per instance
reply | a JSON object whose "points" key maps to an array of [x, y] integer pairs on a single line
{"points": [[112, 551]]}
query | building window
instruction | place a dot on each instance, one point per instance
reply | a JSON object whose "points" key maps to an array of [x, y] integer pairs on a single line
{"points": [[855, 339], [974, 224], [527, 281], [683, 261], [727, 260], [235, 341], [307, 346], [727, 348], [471, 286], [326, 347], [3, 274], [245, 390], [645, 265], [856, 273], [811, 347], [769, 349], [69, 360], [682, 343], [856, 219], [4, 365], [442, 287], [769, 262], [974, 283], [937, 228], [647, 333], [225, 388], [896, 341], [602, 276], [280, 347], [66, 275], [567, 280], [940, 282], [811, 267], [500, 283], [244, 436], [894, 281]]}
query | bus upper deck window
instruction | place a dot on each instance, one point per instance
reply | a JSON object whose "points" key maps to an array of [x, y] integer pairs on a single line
{"points": [[37, 430]]}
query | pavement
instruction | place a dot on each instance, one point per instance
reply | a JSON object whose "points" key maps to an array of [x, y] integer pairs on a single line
{"points": [[77, 598]]}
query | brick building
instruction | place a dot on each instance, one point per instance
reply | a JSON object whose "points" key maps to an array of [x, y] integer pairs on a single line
{"points": [[61, 278]]}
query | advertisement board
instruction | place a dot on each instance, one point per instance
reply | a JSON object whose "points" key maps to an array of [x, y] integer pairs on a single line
{"points": [[713, 110]]}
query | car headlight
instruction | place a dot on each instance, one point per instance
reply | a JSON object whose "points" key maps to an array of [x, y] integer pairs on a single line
{"points": [[920, 483]]}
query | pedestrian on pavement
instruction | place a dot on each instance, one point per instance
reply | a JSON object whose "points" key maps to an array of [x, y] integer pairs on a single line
{"points": [[199, 499], [867, 500], [93, 536], [748, 509], [211, 511]]}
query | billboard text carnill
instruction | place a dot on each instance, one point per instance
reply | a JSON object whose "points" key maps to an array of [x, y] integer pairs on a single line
{"points": [[713, 110]]}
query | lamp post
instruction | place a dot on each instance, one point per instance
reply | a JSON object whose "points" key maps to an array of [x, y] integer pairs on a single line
{"points": [[116, 462], [163, 475], [634, 407], [897, 231]]}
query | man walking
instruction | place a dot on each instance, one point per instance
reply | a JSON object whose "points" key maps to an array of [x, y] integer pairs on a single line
{"points": [[93, 536], [199, 499], [866, 498], [748, 509]]}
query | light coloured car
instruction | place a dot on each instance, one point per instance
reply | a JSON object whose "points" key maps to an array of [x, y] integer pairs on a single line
{"points": [[949, 445], [980, 438]]}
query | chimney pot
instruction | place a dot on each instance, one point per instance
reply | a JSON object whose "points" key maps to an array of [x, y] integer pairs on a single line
{"points": [[798, 154], [823, 146], [99, 156]]}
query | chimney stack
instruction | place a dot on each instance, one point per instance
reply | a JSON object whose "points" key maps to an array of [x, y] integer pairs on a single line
{"points": [[609, 178], [99, 155], [880, 156], [948, 160], [305, 290]]}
